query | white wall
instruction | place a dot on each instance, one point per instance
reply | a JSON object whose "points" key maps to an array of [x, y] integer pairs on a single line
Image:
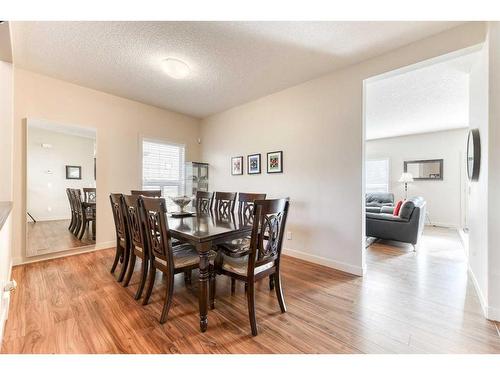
{"points": [[119, 123], [478, 191], [319, 127], [6, 130], [47, 199], [494, 171], [443, 197]]}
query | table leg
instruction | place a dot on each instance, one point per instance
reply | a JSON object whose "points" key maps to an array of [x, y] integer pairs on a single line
{"points": [[203, 250]]}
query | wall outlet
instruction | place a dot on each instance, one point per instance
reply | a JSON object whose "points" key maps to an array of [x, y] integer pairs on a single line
{"points": [[288, 235]]}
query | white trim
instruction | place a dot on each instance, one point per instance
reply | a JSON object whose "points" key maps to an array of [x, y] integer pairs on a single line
{"points": [[493, 314], [341, 266], [50, 218], [482, 300], [49, 256]]}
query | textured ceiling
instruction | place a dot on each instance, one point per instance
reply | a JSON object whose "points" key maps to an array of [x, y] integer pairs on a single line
{"points": [[231, 62], [432, 98]]}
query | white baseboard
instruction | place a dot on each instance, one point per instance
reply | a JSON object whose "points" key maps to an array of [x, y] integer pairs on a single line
{"points": [[81, 250], [341, 266], [482, 300]]}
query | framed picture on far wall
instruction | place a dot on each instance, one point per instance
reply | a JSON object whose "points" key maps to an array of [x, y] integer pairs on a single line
{"points": [[237, 165], [73, 172], [253, 164], [275, 162]]}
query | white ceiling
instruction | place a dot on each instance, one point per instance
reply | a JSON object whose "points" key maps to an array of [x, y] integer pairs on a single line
{"points": [[231, 62], [427, 99]]}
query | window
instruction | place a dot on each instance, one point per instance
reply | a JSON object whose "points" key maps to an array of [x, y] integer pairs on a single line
{"points": [[377, 176], [163, 167]]}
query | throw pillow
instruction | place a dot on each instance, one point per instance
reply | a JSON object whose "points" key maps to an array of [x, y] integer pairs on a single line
{"points": [[406, 210], [397, 208]]}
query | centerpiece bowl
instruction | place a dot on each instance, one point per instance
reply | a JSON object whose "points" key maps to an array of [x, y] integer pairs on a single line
{"points": [[182, 201]]}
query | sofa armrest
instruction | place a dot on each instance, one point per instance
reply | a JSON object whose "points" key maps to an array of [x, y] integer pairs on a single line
{"points": [[386, 217]]}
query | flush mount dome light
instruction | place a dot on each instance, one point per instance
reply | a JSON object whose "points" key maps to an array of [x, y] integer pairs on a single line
{"points": [[175, 68]]}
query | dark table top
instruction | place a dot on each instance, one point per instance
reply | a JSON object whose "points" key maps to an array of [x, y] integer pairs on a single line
{"points": [[208, 227]]}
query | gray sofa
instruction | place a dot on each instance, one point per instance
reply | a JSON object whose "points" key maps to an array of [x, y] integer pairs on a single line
{"points": [[407, 227], [375, 201]]}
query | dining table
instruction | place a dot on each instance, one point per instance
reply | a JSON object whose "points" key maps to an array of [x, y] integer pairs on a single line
{"points": [[204, 230]]}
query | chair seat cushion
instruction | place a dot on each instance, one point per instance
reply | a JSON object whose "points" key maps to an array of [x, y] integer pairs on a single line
{"points": [[185, 255], [240, 265], [239, 245]]}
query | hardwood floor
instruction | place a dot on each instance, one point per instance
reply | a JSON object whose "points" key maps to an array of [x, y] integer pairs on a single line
{"points": [[52, 236], [406, 303]]}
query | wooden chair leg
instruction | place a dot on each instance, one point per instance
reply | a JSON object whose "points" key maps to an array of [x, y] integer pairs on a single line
{"points": [[233, 285], [93, 229], [212, 289], [144, 276], [279, 291], [151, 283], [271, 282], [123, 271], [251, 307], [118, 254], [187, 277], [131, 267], [168, 299], [83, 229], [246, 287]]}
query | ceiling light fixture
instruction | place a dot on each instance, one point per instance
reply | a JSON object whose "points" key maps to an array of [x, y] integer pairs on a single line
{"points": [[176, 68]]}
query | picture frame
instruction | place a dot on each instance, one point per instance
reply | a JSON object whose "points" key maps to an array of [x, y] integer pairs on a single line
{"points": [[275, 162], [73, 172], [237, 165], [253, 164]]}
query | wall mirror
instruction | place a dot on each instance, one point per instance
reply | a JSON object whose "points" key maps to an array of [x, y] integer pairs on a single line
{"points": [[473, 154], [425, 169], [60, 187]]}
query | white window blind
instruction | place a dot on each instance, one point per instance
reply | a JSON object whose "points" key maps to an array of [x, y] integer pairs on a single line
{"points": [[377, 176], [163, 167]]}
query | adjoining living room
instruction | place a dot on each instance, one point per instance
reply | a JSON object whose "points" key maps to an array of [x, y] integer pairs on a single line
{"points": [[416, 131]]}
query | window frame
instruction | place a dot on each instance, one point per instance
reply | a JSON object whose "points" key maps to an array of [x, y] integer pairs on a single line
{"points": [[386, 159], [153, 139]]}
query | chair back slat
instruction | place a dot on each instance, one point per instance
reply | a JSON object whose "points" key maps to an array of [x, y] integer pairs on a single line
{"points": [[147, 193], [204, 201], [154, 213], [77, 201], [89, 195], [224, 202], [117, 206], [246, 206], [134, 220], [267, 233]]}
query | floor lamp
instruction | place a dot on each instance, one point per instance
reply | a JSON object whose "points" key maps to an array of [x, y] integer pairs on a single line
{"points": [[405, 179]]}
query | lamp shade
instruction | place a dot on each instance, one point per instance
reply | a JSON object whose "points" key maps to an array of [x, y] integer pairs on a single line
{"points": [[406, 177]]}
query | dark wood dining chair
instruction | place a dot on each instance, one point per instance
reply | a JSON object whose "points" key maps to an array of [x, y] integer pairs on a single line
{"points": [[138, 244], [163, 257], [204, 200], [224, 203], [72, 222], [240, 246], [90, 195], [122, 235], [263, 257], [147, 193], [77, 208], [86, 215]]}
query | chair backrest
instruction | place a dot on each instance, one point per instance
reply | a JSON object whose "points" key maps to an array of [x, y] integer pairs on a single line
{"points": [[246, 206], [267, 233], [70, 199], [89, 194], [77, 200], [154, 214], [147, 193], [224, 202], [204, 200], [117, 205], [134, 220]]}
